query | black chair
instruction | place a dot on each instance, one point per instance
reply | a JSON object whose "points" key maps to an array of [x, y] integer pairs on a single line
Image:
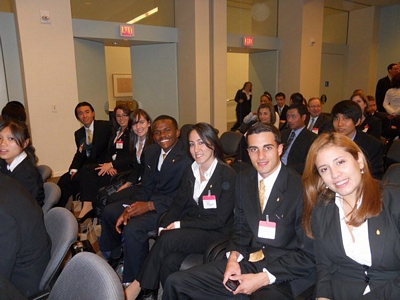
{"points": [[393, 154]]}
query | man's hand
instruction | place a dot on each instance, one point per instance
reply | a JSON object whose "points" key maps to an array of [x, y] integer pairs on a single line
{"points": [[124, 186], [137, 209], [232, 268], [122, 220], [249, 283]]}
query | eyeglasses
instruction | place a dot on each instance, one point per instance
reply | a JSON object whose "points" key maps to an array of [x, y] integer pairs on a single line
{"points": [[122, 116]]}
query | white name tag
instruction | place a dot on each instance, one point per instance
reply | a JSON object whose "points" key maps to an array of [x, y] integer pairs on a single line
{"points": [[119, 144], [266, 230], [209, 202]]}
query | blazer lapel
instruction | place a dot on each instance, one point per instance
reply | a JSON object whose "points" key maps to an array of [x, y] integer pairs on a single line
{"points": [[377, 236], [276, 196]]}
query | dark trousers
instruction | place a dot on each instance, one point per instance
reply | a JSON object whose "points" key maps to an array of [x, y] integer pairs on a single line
{"points": [[205, 282], [135, 234], [69, 187], [169, 251]]}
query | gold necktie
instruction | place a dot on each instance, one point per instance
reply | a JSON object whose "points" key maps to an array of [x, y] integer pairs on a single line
{"points": [[89, 136], [261, 192], [163, 156]]}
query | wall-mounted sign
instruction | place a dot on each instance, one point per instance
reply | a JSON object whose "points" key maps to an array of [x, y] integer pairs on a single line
{"points": [[126, 30], [247, 41]]}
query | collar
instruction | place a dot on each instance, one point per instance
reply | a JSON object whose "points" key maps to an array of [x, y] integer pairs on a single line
{"points": [[208, 173], [91, 127], [17, 161], [270, 180]]}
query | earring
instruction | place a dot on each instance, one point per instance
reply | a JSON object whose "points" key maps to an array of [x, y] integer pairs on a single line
{"points": [[362, 171], [326, 187]]}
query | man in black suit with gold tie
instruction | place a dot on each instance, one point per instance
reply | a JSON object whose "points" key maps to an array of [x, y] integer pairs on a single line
{"points": [[269, 256], [91, 146]]}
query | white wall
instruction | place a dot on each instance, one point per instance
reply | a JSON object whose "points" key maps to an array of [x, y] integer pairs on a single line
{"points": [[389, 39], [154, 78], [118, 61], [12, 67], [91, 75]]}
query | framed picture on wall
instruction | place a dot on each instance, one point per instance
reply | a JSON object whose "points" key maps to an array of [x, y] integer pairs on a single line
{"points": [[122, 85]]}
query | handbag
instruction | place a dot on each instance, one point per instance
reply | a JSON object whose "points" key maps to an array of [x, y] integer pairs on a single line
{"points": [[103, 197]]}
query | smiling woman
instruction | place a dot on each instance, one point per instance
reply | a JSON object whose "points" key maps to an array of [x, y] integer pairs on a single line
{"points": [[346, 213]]}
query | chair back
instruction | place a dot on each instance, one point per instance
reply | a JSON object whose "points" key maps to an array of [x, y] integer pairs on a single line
{"points": [[230, 142], [393, 154], [392, 174], [62, 227], [45, 171], [86, 277], [52, 194]]}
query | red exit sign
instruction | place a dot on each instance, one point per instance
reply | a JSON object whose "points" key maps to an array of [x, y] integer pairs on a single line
{"points": [[247, 41], [126, 30]]}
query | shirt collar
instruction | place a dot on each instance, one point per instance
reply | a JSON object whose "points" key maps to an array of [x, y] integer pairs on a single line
{"points": [[17, 161], [207, 174]]}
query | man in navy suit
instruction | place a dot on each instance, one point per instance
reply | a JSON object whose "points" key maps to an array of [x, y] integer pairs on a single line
{"points": [[296, 138], [91, 146], [269, 256], [281, 108], [165, 163], [384, 84], [316, 119]]}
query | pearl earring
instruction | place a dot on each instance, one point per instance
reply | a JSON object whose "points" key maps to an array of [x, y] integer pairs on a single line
{"points": [[362, 171]]}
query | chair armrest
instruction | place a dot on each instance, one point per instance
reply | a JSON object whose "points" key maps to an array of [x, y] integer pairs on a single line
{"points": [[216, 250]]}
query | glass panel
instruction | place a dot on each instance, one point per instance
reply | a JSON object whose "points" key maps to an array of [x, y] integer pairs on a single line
{"points": [[335, 26], [149, 12], [252, 17]]}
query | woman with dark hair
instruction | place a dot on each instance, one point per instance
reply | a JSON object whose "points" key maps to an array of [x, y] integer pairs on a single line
{"points": [[119, 158], [201, 213], [369, 123], [16, 161], [354, 223], [243, 107], [266, 115]]}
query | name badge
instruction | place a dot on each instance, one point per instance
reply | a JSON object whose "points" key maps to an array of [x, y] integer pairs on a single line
{"points": [[209, 202], [119, 144], [266, 230], [315, 130]]}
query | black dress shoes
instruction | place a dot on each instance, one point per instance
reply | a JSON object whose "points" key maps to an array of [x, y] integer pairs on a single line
{"points": [[147, 295]]}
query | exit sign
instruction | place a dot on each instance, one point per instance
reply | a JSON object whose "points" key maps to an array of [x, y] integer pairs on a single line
{"points": [[126, 30], [247, 41]]}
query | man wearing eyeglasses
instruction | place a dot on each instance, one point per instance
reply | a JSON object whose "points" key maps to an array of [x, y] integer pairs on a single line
{"points": [[316, 119]]}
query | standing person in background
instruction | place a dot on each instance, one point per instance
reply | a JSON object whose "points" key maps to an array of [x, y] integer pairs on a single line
{"points": [[355, 225], [281, 108], [91, 147], [392, 101], [243, 107], [384, 84]]}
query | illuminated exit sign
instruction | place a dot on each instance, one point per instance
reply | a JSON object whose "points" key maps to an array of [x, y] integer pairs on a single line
{"points": [[247, 41], [126, 30]]}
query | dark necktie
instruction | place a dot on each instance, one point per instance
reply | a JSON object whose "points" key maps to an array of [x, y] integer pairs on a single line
{"points": [[311, 125], [290, 140]]}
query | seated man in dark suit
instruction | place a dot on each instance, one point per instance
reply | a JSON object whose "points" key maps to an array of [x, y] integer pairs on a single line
{"points": [[269, 256], [24, 243], [91, 146], [296, 138], [346, 115], [316, 119], [165, 162]]}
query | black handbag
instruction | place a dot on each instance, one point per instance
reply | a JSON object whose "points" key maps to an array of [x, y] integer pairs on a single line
{"points": [[81, 246], [103, 197]]}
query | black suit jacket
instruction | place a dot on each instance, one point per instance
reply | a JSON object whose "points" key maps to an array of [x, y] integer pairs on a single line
{"points": [[321, 120], [371, 125], [124, 160], [193, 215], [24, 243], [161, 186], [290, 256], [98, 148], [28, 175], [282, 116], [373, 151], [299, 150], [381, 88], [338, 276]]}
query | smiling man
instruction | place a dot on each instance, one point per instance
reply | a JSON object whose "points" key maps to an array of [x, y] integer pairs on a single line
{"points": [[269, 256], [165, 162], [91, 146]]}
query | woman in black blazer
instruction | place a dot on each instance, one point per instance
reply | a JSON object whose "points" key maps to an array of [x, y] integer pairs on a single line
{"points": [[201, 213], [355, 224], [16, 161], [243, 99], [120, 158]]}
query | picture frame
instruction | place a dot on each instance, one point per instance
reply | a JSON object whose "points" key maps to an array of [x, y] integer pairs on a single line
{"points": [[122, 85]]}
